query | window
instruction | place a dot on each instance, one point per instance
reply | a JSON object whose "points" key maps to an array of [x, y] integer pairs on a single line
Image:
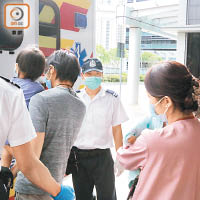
{"points": [[193, 53], [107, 34], [193, 14]]}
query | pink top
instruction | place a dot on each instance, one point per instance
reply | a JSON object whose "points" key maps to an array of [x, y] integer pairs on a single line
{"points": [[169, 159]]}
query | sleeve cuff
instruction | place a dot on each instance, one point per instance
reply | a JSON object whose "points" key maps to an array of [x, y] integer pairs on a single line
{"points": [[24, 141]]}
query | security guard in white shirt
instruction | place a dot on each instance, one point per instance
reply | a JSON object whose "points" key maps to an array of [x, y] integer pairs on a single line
{"points": [[90, 161], [17, 128]]}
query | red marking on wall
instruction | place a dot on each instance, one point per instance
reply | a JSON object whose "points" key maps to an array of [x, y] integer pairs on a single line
{"points": [[47, 51], [91, 56], [67, 12]]}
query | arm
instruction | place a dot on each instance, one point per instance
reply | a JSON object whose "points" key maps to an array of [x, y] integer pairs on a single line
{"points": [[21, 132], [34, 170], [7, 156], [135, 156], [131, 139], [117, 135], [138, 127], [118, 117], [37, 144]]}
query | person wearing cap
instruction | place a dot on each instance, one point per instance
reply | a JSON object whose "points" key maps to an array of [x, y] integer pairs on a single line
{"points": [[57, 114], [90, 161]]}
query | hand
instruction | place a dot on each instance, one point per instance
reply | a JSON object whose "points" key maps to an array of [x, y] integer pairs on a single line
{"points": [[66, 193], [132, 139], [118, 169]]}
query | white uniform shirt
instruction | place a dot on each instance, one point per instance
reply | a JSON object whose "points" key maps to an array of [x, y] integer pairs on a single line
{"points": [[102, 113], [15, 122]]}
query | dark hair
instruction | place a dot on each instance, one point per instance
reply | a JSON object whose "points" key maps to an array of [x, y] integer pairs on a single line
{"points": [[31, 62], [66, 65], [174, 80]]}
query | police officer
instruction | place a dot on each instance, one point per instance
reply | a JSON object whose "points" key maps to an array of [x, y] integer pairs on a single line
{"points": [[93, 163], [17, 128]]}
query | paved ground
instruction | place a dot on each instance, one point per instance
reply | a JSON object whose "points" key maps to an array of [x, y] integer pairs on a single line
{"points": [[134, 112]]}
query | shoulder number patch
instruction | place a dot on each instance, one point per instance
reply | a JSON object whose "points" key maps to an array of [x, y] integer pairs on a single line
{"points": [[112, 93]]}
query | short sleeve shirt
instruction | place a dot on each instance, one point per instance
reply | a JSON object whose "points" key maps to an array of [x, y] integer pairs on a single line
{"points": [[15, 121], [103, 112], [58, 113], [29, 87], [169, 161]]}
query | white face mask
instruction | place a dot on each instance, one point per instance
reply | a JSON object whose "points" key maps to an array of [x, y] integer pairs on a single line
{"points": [[15, 72], [163, 116]]}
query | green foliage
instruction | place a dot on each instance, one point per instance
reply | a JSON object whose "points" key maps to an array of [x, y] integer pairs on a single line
{"points": [[116, 77], [113, 55], [142, 76], [102, 54], [149, 57], [108, 56]]}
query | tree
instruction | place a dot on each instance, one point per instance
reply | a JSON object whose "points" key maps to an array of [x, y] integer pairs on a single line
{"points": [[108, 57], [113, 57], [148, 57], [103, 54]]}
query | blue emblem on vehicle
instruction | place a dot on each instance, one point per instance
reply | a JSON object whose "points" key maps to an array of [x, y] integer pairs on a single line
{"points": [[80, 54]]}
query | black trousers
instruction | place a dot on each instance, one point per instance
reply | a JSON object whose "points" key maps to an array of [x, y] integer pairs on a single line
{"points": [[93, 168]]}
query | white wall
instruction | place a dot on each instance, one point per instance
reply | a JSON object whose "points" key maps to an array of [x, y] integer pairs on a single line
{"points": [[30, 38]]}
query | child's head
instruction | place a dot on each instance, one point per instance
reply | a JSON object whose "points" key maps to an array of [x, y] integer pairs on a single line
{"points": [[30, 63]]}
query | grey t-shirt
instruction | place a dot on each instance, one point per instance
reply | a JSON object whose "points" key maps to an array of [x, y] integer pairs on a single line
{"points": [[58, 113]]}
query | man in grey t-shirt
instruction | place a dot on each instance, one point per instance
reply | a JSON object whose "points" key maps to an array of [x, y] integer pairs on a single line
{"points": [[57, 116]]}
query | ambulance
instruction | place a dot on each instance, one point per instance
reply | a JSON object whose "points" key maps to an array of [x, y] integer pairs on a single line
{"points": [[48, 24]]}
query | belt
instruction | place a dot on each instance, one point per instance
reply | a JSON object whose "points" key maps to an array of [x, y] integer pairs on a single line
{"points": [[89, 152]]}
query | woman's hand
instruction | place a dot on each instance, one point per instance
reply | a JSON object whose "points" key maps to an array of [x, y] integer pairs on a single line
{"points": [[132, 139]]}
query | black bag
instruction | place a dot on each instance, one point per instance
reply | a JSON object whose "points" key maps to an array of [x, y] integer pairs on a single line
{"points": [[72, 162], [132, 190], [6, 182]]}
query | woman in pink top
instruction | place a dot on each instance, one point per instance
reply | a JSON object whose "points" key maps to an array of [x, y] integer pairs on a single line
{"points": [[169, 158]]}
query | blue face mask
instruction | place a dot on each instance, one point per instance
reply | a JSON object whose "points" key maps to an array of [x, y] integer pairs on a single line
{"points": [[93, 82], [161, 117], [48, 83], [15, 73]]}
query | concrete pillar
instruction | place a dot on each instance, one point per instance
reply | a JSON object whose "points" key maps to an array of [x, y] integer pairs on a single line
{"points": [[181, 48], [134, 64]]}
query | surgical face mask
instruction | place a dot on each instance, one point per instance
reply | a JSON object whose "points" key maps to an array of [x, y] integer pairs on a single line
{"points": [[15, 73], [48, 83], [163, 116], [93, 82]]}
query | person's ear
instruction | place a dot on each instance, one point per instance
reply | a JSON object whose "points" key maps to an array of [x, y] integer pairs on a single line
{"points": [[82, 76], [168, 102], [17, 67], [51, 69]]}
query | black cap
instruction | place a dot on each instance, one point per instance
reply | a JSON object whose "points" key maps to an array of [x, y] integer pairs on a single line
{"points": [[92, 64]]}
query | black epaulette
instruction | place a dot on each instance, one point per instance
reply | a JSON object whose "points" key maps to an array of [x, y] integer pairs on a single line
{"points": [[7, 80], [112, 93]]}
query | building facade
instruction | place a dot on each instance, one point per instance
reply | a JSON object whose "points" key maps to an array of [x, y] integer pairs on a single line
{"points": [[188, 46], [106, 35]]}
